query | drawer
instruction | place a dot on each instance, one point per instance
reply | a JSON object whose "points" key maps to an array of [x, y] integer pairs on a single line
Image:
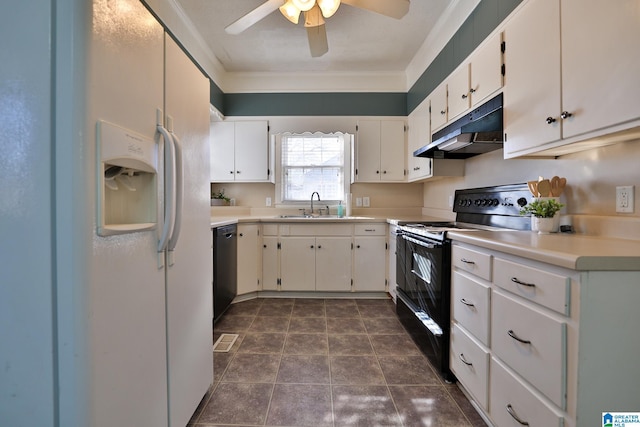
{"points": [[470, 305], [541, 359], [542, 287], [511, 398], [376, 229], [474, 262], [470, 363], [269, 229]]}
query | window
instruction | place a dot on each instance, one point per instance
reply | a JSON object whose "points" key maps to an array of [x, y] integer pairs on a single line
{"points": [[313, 162]]}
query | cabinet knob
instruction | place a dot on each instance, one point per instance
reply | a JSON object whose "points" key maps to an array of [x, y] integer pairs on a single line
{"points": [[377, 171], [264, 246], [443, 112], [472, 90], [384, 172], [464, 96], [550, 120], [319, 246], [237, 171], [311, 246], [358, 246], [565, 114], [231, 172], [240, 234]]}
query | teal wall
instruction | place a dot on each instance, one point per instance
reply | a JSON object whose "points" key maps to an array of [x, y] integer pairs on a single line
{"points": [[482, 21]]}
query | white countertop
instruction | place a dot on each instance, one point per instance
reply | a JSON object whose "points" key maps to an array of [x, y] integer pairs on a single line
{"points": [[574, 251]]}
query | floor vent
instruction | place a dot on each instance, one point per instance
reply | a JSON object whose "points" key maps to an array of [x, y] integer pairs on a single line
{"points": [[224, 343]]}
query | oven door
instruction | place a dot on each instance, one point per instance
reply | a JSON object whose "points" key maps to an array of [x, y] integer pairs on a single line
{"points": [[426, 282]]}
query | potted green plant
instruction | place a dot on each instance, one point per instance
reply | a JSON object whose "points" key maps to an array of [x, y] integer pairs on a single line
{"points": [[542, 211], [218, 198]]}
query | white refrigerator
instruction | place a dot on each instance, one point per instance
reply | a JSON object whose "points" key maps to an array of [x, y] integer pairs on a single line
{"points": [[148, 330]]}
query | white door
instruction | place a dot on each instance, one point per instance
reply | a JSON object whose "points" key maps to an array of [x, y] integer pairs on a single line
{"points": [[188, 287], [333, 264], [248, 251], [532, 79], [369, 263], [392, 150], [439, 110], [298, 263], [368, 151], [222, 140], [251, 151], [126, 378], [269, 263]]}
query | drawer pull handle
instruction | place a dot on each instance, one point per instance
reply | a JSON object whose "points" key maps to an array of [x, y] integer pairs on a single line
{"points": [[467, 303], [517, 338], [466, 261], [465, 360], [515, 416], [519, 282]]}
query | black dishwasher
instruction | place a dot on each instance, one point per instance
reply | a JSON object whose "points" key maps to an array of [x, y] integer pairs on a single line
{"points": [[225, 258]]}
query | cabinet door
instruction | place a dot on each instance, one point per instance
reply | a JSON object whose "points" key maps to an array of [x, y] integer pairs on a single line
{"points": [[439, 110], [419, 136], [392, 150], [333, 264], [269, 263], [368, 151], [600, 63], [222, 136], [486, 70], [532, 79], [459, 99], [248, 268], [251, 151], [369, 259], [298, 263]]}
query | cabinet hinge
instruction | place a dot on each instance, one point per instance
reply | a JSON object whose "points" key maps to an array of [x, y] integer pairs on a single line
{"points": [[505, 137], [351, 245], [406, 128], [268, 171], [351, 282], [356, 128], [279, 246], [356, 171], [386, 246], [503, 68], [503, 46], [268, 128], [279, 281]]}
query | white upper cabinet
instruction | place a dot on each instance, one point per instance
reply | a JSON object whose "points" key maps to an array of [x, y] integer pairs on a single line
{"points": [[439, 109], [571, 72], [419, 136], [240, 151], [475, 79], [380, 151], [600, 64]]}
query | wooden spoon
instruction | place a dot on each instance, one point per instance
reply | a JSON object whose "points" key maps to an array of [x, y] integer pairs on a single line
{"points": [[533, 187], [544, 188], [555, 186]]}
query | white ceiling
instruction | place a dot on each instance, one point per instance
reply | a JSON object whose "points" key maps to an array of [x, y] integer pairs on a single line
{"points": [[359, 40]]}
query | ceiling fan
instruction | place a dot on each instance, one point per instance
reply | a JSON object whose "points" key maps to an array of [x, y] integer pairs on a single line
{"points": [[314, 13]]}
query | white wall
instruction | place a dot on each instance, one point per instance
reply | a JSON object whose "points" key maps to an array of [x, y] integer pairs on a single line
{"points": [[591, 177]]}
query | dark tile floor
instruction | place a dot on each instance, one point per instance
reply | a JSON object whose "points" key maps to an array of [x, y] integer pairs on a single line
{"points": [[325, 362]]}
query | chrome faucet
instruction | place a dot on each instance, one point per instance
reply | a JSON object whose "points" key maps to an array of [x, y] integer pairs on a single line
{"points": [[316, 193]]}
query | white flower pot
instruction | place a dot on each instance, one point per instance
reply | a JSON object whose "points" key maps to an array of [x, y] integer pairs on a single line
{"points": [[543, 225]]}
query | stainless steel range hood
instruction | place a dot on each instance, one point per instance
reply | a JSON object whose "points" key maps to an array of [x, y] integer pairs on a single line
{"points": [[477, 132]]}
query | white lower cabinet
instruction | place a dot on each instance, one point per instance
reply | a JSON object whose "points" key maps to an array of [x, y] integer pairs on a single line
{"points": [[248, 274], [298, 263], [514, 403], [470, 362], [561, 346], [270, 263], [370, 258]]}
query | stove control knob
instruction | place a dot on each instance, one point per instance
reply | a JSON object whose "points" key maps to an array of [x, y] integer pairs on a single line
{"points": [[495, 202], [522, 202], [477, 202]]}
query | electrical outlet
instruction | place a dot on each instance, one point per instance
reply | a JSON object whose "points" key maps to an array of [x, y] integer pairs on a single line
{"points": [[624, 199], [268, 201], [450, 201], [359, 202], [366, 202]]}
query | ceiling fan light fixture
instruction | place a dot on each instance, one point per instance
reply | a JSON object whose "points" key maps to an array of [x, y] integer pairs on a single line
{"points": [[290, 11], [313, 17], [304, 5], [328, 7]]}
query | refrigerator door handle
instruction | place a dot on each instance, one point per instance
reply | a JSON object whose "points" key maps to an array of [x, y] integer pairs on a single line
{"points": [[169, 188], [179, 187]]}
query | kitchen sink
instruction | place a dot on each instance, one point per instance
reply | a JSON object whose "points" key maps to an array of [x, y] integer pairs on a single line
{"points": [[320, 217]]}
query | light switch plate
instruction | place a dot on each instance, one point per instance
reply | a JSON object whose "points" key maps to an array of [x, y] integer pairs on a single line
{"points": [[268, 201], [359, 202], [366, 202]]}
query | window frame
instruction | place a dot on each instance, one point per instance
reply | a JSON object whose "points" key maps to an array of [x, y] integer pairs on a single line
{"points": [[347, 140]]}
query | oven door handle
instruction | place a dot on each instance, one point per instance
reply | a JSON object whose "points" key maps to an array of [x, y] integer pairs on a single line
{"points": [[420, 276], [419, 242]]}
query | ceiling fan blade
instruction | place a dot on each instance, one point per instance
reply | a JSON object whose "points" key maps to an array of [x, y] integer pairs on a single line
{"points": [[254, 16], [392, 8], [317, 40]]}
